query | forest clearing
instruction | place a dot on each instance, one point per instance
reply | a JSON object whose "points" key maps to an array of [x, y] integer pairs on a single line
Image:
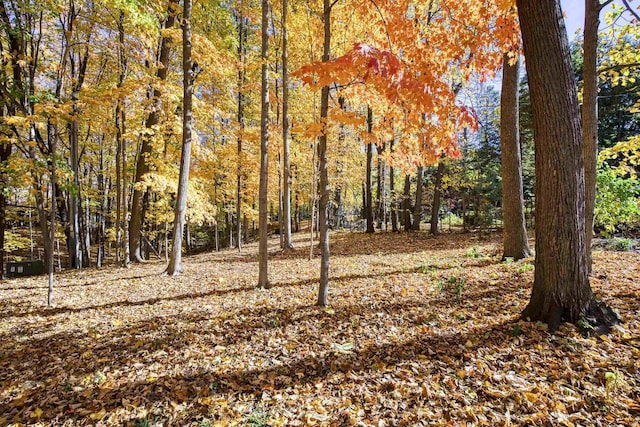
{"points": [[325, 212], [421, 330]]}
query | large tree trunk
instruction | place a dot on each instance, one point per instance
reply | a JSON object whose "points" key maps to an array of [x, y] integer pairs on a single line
{"points": [[138, 210], [286, 155], [561, 290], [325, 191], [515, 244], [263, 227], [437, 195], [175, 260], [369, 184], [417, 208], [590, 116]]}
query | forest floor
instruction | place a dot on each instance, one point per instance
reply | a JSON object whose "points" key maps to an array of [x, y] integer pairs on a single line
{"points": [[421, 331]]}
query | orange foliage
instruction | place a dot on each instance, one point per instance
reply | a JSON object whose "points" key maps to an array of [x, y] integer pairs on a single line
{"points": [[418, 60]]}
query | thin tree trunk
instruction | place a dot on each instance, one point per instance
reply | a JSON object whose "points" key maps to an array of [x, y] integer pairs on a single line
{"points": [[286, 205], [406, 204], [5, 152], [175, 260], [138, 210], [369, 184], [242, 40], [417, 208], [561, 290], [122, 244], [590, 117], [263, 227], [515, 244], [77, 77], [437, 194], [392, 191], [381, 194], [314, 190], [325, 192], [52, 214]]}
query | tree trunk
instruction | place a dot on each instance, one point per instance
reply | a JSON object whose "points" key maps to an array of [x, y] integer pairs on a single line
{"points": [[590, 117], [175, 260], [515, 243], [52, 214], [263, 227], [394, 204], [406, 204], [561, 290], [286, 205], [417, 209], [437, 194], [138, 209], [325, 192], [242, 39], [381, 190], [5, 152], [369, 201], [78, 66]]}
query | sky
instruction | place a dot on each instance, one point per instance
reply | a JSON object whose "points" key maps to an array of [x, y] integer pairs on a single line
{"points": [[574, 15]]}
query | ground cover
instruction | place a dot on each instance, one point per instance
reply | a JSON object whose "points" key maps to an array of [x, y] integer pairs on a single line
{"points": [[421, 331]]}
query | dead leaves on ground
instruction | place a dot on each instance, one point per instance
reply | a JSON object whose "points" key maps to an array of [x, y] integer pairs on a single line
{"points": [[421, 331]]}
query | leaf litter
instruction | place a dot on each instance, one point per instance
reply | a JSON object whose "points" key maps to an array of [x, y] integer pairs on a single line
{"points": [[421, 331]]}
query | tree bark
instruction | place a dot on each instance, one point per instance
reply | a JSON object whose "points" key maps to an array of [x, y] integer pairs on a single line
{"points": [[369, 201], [175, 260], [242, 39], [417, 209], [325, 191], [138, 210], [406, 204], [394, 204], [381, 190], [590, 116], [263, 227], [515, 243], [122, 243], [561, 290], [286, 157], [437, 194], [52, 215], [5, 152]]}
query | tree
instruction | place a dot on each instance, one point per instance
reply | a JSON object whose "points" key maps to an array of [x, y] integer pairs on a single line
{"points": [[325, 191], [515, 243], [369, 184], [263, 227], [590, 114], [561, 290], [243, 32], [175, 262], [138, 209], [437, 195], [287, 242], [417, 208]]}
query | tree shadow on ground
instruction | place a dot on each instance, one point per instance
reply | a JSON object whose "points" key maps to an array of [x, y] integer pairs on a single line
{"points": [[20, 310], [353, 244], [306, 369]]}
